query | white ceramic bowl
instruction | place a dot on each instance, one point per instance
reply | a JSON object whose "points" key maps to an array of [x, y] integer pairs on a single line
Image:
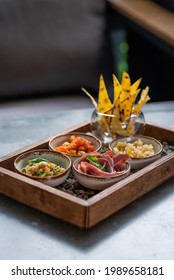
{"points": [[136, 162], [96, 182], [62, 138], [54, 157]]}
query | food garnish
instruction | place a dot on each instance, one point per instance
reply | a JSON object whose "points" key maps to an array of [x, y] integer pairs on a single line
{"points": [[94, 161], [125, 106], [103, 165], [136, 149], [42, 167], [76, 145]]}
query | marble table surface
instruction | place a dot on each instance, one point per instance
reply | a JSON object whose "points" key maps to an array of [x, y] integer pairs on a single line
{"points": [[142, 230]]}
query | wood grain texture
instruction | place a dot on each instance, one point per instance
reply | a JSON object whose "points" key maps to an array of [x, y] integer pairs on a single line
{"points": [[44, 198], [78, 212], [130, 189], [149, 16]]}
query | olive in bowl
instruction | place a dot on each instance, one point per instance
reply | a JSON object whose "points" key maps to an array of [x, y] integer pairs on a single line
{"points": [[48, 167], [75, 144]]}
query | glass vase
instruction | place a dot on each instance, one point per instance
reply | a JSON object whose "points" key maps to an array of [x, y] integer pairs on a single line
{"points": [[106, 127]]}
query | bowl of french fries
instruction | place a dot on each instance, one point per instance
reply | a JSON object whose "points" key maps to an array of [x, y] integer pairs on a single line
{"points": [[123, 116]]}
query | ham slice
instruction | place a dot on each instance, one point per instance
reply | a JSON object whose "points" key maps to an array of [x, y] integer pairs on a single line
{"points": [[90, 169], [120, 161], [113, 165], [108, 166]]}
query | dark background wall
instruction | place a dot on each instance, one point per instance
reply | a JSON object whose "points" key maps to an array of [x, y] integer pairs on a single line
{"points": [[144, 55]]}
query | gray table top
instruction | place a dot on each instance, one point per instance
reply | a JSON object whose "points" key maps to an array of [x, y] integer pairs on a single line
{"points": [[142, 230]]}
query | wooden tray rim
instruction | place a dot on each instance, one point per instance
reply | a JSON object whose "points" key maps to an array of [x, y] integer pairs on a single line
{"points": [[101, 196], [68, 196], [72, 128]]}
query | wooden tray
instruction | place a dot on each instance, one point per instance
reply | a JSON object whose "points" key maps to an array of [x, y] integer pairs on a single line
{"points": [[79, 212]]}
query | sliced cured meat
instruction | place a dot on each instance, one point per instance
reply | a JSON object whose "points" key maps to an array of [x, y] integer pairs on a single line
{"points": [[120, 160], [103, 165], [90, 169], [106, 164]]}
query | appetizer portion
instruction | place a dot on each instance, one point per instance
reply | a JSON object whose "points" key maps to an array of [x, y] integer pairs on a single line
{"points": [[120, 116], [103, 165], [99, 171], [142, 150], [45, 166], [76, 145], [136, 149], [42, 167]]}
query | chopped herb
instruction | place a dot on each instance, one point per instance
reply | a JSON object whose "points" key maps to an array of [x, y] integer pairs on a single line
{"points": [[94, 161], [24, 170], [39, 159]]}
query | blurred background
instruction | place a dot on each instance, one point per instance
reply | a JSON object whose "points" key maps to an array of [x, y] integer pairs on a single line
{"points": [[49, 49]]}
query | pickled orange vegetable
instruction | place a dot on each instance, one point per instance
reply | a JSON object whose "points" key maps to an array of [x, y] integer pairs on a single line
{"points": [[76, 145]]}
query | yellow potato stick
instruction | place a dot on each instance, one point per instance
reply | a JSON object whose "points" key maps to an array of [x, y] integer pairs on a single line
{"points": [[117, 88], [144, 98], [144, 93], [115, 122], [119, 117], [134, 95], [125, 110], [92, 99], [104, 103], [126, 107], [116, 125], [116, 112], [126, 84], [135, 86], [140, 104], [130, 127], [108, 116]]}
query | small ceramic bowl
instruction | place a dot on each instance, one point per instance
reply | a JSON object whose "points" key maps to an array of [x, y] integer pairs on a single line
{"points": [[140, 162], [51, 156], [96, 182], [60, 139]]}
